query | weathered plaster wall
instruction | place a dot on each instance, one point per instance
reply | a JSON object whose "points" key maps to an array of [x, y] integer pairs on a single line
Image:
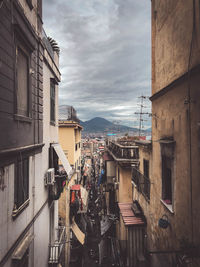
{"points": [[172, 24], [175, 49], [67, 142], [125, 186], [170, 118]]}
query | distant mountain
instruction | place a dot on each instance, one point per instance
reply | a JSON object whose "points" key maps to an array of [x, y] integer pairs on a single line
{"points": [[102, 125]]}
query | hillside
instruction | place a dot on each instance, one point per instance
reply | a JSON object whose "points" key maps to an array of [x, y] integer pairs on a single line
{"points": [[101, 125]]}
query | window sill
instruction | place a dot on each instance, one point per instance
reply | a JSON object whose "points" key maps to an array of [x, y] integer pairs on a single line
{"points": [[168, 206], [18, 211], [22, 118]]}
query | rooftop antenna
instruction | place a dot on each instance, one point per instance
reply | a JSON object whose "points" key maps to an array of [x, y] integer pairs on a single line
{"points": [[141, 113]]}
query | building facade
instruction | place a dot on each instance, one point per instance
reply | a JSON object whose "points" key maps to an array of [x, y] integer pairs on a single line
{"points": [[70, 141], [120, 157], [172, 208], [29, 74]]}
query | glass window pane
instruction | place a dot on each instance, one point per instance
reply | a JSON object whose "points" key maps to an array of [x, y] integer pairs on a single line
{"points": [[22, 83]]}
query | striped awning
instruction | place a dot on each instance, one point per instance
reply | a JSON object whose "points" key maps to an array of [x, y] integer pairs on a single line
{"points": [[128, 215]]}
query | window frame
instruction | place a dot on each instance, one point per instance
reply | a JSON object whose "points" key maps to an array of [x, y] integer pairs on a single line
{"points": [[52, 102], [166, 161], [168, 153], [21, 45], [18, 205]]}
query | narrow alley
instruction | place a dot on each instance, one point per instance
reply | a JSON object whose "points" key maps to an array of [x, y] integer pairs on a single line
{"points": [[99, 247]]}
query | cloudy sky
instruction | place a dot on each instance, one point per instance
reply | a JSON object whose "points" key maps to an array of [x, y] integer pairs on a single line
{"points": [[105, 55]]}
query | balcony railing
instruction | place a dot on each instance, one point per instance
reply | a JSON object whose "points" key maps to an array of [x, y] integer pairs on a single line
{"points": [[123, 152], [56, 248], [142, 182]]}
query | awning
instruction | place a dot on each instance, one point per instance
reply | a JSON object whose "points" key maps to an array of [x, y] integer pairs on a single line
{"points": [[76, 187], [22, 247], [78, 233], [107, 157], [128, 215], [63, 159], [83, 196]]}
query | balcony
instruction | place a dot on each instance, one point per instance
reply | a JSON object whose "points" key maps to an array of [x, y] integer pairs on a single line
{"points": [[141, 182], [125, 152], [56, 248]]}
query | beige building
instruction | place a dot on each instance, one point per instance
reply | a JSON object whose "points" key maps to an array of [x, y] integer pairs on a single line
{"points": [[172, 210]]}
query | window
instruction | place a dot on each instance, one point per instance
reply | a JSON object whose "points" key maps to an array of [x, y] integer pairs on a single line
{"points": [[52, 101], [21, 182], [22, 64], [146, 178], [167, 180], [167, 146]]}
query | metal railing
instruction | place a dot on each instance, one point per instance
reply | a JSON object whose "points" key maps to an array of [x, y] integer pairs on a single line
{"points": [[56, 248], [142, 182], [123, 152]]}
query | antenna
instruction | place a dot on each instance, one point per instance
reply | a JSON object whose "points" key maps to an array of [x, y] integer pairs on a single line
{"points": [[141, 113]]}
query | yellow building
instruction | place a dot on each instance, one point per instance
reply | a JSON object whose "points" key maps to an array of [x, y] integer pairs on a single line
{"points": [[70, 141]]}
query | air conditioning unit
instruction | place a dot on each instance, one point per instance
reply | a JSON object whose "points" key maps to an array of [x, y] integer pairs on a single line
{"points": [[49, 177], [116, 186]]}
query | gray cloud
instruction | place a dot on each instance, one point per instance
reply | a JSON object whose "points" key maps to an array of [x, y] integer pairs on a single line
{"points": [[105, 54]]}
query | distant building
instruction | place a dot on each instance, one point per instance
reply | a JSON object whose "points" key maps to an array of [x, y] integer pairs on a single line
{"points": [[70, 140], [119, 158]]}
